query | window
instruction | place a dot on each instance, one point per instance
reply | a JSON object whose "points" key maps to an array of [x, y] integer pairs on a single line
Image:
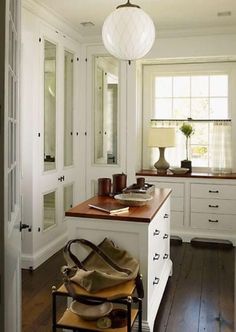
{"points": [[199, 93]]}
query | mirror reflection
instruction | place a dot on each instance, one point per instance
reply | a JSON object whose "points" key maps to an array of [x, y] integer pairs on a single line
{"points": [[49, 210], [68, 197], [49, 105], [68, 108], [106, 109]]}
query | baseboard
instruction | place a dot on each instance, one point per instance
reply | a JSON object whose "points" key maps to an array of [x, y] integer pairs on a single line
{"points": [[39, 257]]}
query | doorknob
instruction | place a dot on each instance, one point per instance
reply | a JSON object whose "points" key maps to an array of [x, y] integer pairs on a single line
{"points": [[23, 226]]}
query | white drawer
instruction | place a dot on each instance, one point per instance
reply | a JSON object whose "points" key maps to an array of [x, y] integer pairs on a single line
{"points": [[217, 206], [213, 191], [177, 188], [155, 271], [222, 222], [176, 219], [177, 204]]}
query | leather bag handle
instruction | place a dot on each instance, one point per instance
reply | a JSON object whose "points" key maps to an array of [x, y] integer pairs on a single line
{"points": [[67, 253]]}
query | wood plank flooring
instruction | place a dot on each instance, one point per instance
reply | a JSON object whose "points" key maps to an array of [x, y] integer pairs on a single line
{"points": [[199, 296]]}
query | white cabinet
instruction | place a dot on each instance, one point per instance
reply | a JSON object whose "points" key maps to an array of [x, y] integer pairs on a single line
{"points": [[176, 200], [148, 242], [202, 207], [52, 170]]}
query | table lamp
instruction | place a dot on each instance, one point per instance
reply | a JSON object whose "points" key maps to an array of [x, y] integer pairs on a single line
{"points": [[161, 137]]}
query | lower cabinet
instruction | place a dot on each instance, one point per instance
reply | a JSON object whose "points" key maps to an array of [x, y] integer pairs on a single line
{"points": [[201, 207], [148, 242]]}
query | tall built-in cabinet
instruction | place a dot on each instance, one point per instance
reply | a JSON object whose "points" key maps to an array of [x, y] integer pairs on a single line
{"points": [[53, 137]]}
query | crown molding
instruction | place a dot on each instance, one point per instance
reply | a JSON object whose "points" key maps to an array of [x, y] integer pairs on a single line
{"points": [[52, 18], [193, 32]]}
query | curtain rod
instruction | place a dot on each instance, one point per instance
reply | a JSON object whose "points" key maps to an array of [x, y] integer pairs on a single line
{"points": [[191, 120]]}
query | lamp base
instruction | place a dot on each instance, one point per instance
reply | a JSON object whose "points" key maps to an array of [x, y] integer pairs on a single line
{"points": [[162, 165]]}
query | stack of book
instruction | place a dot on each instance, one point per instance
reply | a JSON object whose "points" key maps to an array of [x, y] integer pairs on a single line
{"points": [[111, 207]]}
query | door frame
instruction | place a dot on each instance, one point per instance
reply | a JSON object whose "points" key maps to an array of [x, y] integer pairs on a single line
{"points": [[2, 117]]}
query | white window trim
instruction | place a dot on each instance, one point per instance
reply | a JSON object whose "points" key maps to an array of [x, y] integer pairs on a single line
{"points": [[150, 70]]}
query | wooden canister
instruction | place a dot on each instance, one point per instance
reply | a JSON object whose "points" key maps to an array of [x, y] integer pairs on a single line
{"points": [[140, 182], [104, 186], [119, 183]]}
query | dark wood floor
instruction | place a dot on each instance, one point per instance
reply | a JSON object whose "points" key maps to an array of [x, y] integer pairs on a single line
{"points": [[199, 296]]}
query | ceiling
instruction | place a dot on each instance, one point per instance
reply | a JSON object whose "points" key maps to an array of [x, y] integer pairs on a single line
{"points": [[166, 14]]}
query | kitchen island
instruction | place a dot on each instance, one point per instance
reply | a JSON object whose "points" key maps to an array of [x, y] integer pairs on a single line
{"points": [[144, 231]]}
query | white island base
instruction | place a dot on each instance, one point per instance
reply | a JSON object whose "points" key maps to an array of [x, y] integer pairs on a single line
{"points": [[147, 241]]}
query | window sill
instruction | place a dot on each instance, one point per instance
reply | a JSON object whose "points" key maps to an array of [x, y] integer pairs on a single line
{"points": [[194, 174]]}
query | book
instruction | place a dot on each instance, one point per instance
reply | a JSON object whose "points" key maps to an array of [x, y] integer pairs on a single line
{"points": [[111, 207]]}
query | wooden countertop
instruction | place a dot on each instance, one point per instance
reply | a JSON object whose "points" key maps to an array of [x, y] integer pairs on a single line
{"points": [[138, 213], [152, 172]]}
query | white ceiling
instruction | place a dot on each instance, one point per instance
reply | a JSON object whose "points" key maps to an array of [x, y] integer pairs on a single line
{"points": [[166, 14]]}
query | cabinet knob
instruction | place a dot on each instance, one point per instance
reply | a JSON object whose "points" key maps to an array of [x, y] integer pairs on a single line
{"points": [[211, 220], [165, 236], [156, 232], [156, 281], [156, 257], [213, 206], [214, 191], [166, 216], [165, 256]]}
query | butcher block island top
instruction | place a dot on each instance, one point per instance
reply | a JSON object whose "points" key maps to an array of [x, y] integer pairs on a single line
{"points": [[135, 213]]}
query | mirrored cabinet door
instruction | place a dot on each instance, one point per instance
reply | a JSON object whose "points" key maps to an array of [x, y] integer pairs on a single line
{"points": [[68, 107], [50, 51], [49, 210], [68, 197], [106, 108]]}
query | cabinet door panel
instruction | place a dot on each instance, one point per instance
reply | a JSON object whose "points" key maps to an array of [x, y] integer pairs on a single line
{"points": [[176, 219], [177, 188], [177, 204]]}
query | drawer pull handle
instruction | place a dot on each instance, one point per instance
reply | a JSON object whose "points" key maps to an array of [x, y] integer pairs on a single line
{"points": [[156, 281], [165, 236], [165, 256], [156, 257], [210, 220], [166, 216], [213, 206], [156, 232], [214, 191]]}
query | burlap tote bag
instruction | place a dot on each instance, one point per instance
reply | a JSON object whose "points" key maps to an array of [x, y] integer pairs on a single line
{"points": [[105, 266]]}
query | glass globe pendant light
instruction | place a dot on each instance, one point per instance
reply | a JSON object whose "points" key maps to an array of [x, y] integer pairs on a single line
{"points": [[128, 33]]}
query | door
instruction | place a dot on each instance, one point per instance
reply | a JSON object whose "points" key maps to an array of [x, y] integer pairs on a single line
{"points": [[11, 189]]}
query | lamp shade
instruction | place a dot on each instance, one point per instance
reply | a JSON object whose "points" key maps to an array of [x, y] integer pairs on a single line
{"points": [[128, 33], [161, 137]]}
